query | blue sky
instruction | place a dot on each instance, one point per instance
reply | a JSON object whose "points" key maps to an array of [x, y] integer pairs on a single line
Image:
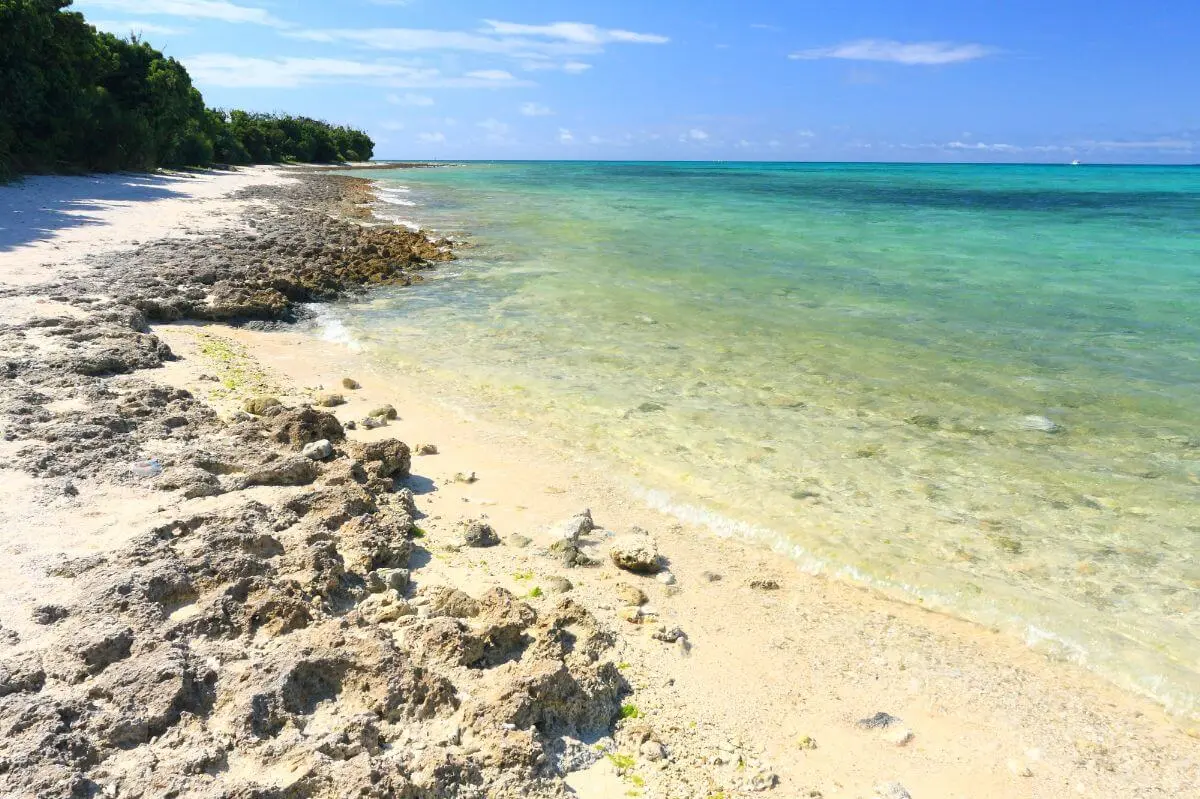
{"points": [[857, 80]]}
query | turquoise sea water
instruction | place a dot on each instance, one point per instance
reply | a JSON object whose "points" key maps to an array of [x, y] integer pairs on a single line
{"points": [[977, 387]]}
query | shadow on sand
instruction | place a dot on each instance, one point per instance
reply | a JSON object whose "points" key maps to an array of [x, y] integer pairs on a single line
{"points": [[38, 207]]}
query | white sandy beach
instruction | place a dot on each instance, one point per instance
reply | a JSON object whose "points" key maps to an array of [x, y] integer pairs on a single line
{"points": [[779, 674]]}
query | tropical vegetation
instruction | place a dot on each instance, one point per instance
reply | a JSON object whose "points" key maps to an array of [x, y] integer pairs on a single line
{"points": [[76, 99]]}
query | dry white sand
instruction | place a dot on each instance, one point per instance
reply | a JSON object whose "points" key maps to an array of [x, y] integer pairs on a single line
{"points": [[766, 669], [47, 224]]}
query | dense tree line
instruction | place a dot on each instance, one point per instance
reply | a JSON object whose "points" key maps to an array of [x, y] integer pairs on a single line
{"points": [[76, 99]]}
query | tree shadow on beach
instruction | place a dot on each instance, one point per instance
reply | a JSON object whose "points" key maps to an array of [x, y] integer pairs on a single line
{"points": [[39, 207]]}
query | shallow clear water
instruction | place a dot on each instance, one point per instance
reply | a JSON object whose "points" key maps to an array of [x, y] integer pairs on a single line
{"points": [[843, 361]]}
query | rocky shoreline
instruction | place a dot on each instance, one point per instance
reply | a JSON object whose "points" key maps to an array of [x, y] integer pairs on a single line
{"points": [[280, 630], [226, 575]]}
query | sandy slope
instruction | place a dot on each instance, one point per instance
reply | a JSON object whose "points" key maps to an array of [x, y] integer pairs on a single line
{"points": [[779, 677]]}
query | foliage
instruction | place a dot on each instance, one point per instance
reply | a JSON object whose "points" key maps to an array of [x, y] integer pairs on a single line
{"points": [[630, 711], [75, 99]]}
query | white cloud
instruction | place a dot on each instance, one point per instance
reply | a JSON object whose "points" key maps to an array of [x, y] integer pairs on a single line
{"points": [[410, 99], [742, 143], [565, 136], [983, 146], [526, 42], [536, 110], [392, 126], [575, 32], [909, 53], [432, 138], [125, 27], [576, 67], [193, 9], [805, 134], [223, 69], [491, 75], [695, 134]]}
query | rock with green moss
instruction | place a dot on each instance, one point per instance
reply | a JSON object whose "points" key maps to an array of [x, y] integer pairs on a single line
{"points": [[260, 406], [330, 400], [384, 412]]}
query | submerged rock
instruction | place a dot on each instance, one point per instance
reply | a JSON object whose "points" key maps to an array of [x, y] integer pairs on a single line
{"points": [[1039, 424]]}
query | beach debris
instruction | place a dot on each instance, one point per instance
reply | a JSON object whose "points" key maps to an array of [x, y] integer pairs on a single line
{"points": [[637, 615], [459, 477], [372, 422], [765, 584], [636, 552], [261, 406], [665, 577], [1039, 424], [652, 751], [350, 384], [385, 412], [807, 742], [146, 468], [330, 400], [762, 780], [479, 534], [69, 489], [900, 736], [711, 577], [880, 721], [318, 450], [558, 585], [891, 790], [427, 449], [668, 635], [631, 595], [351, 425]]}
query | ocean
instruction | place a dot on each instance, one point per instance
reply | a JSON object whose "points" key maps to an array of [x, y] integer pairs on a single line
{"points": [[973, 387]]}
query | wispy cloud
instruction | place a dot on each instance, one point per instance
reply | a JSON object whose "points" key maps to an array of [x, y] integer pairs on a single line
{"points": [[695, 135], [565, 136], [193, 9], [125, 27], [432, 138], [577, 32], [1160, 144], [223, 69], [536, 110], [908, 53], [410, 99], [576, 67], [983, 146], [530, 42]]}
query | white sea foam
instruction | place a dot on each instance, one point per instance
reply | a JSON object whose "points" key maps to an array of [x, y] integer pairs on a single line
{"points": [[331, 328]]}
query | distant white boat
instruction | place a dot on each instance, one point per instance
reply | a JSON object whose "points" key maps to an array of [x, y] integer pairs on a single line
{"points": [[1075, 162]]}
